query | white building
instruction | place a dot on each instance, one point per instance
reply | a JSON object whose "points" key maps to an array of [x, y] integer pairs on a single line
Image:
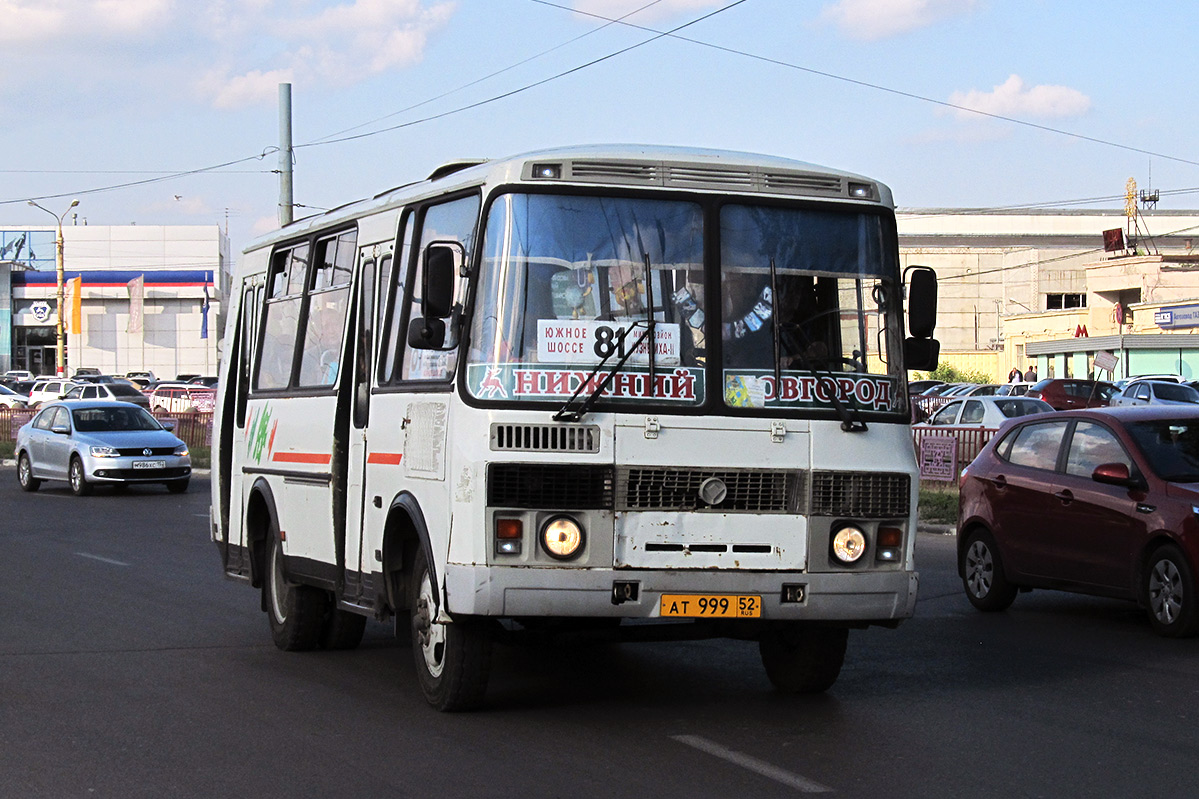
{"points": [[178, 267]]}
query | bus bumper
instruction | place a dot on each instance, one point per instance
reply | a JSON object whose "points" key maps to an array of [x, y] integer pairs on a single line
{"points": [[851, 597]]}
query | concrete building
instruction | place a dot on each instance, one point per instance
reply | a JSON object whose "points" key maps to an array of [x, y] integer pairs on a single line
{"points": [[172, 329], [1019, 287]]}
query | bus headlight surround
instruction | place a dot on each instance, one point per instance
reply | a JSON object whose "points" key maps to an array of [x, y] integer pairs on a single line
{"points": [[849, 544], [562, 537]]}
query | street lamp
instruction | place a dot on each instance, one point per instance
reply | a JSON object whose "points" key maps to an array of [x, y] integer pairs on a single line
{"points": [[59, 337]]}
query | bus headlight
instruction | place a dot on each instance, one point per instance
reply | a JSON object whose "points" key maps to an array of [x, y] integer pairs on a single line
{"points": [[849, 544], [562, 538]]}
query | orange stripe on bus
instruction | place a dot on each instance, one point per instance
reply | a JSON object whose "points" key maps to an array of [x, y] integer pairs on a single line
{"points": [[385, 458], [302, 457]]}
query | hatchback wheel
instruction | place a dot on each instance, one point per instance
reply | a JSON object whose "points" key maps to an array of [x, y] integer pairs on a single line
{"points": [[987, 587], [1169, 591]]}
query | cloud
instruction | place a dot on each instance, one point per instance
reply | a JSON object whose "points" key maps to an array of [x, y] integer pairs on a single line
{"points": [[30, 22], [613, 9], [337, 45], [1013, 98], [879, 19]]}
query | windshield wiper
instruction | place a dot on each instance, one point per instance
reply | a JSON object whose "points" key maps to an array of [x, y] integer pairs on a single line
{"points": [[565, 414], [851, 420]]}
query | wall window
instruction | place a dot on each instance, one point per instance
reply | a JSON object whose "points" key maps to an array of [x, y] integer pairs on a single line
{"points": [[1058, 302]]}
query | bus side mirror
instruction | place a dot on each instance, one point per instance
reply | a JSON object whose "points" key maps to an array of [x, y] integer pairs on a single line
{"points": [[921, 353], [922, 302], [443, 263]]}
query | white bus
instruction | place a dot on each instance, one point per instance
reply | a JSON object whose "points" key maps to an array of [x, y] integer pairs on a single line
{"points": [[653, 392]]}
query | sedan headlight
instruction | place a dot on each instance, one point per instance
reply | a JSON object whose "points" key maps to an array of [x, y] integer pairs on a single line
{"points": [[849, 544], [104, 452], [180, 450], [562, 538]]}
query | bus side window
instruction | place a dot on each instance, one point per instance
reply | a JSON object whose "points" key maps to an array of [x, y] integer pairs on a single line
{"points": [[450, 221], [327, 300], [281, 318], [391, 311]]}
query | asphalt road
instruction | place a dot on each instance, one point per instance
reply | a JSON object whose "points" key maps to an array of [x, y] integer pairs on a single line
{"points": [[130, 667]]}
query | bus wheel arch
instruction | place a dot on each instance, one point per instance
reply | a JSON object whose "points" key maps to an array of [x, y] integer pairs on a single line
{"points": [[404, 534], [260, 514]]}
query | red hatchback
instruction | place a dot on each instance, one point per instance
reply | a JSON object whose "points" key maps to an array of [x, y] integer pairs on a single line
{"points": [[1102, 501], [1066, 394]]}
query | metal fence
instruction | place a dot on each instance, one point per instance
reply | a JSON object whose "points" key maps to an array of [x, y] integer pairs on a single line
{"points": [[194, 427], [970, 441]]}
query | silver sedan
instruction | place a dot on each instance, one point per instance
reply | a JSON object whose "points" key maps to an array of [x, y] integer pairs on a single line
{"points": [[90, 443]]}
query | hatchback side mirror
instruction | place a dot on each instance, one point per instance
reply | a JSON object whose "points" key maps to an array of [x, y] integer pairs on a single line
{"points": [[1115, 474]]}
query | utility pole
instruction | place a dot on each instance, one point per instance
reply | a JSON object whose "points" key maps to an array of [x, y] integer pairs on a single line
{"points": [[286, 199], [59, 349]]}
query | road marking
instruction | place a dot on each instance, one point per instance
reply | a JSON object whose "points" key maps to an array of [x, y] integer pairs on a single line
{"points": [[102, 560], [753, 764]]}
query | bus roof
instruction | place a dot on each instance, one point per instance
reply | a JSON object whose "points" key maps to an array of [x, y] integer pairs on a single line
{"points": [[678, 168]]}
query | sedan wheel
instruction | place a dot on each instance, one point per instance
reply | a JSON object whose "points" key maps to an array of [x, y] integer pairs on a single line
{"points": [[25, 474], [1170, 594], [79, 484]]}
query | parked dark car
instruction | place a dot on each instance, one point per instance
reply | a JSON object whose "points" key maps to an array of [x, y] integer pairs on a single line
{"points": [[1068, 393], [123, 392], [1102, 501], [919, 386]]}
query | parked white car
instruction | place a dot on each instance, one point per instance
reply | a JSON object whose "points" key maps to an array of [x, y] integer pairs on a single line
{"points": [[182, 398], [46, 390], [989, 412], [10, 398], [1156, 392]]}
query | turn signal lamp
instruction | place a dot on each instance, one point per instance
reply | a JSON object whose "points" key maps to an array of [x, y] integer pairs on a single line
{"points": [[508, 536], [890, 539]]}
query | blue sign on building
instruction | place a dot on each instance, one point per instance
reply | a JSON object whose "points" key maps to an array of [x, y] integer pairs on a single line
{"points": [[1180, 316]]}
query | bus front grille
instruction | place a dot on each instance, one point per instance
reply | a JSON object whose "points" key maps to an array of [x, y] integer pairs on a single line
{"points": [[545, 485], [664, 488], [868, 495]]}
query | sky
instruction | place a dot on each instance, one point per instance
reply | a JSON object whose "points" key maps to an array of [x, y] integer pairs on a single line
{"points": [[166, 112]]}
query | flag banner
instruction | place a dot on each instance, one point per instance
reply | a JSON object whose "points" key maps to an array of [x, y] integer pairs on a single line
{"points": [[137, 299], [204, 311], [74, 322]]}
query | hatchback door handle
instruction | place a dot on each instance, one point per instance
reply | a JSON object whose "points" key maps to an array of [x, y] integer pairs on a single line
{"points": [[1000, 481], [1065, 496]]}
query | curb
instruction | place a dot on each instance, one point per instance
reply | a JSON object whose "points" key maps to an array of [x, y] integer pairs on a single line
{"points": [[936, 529]]}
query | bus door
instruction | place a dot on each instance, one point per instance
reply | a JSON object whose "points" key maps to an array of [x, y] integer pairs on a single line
{"points": [[359, 561], [233, 433]]}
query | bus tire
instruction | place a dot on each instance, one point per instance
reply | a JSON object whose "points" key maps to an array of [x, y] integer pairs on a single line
{"points": [[296, 612], [342, 629], [803, 660], [452, 660]]}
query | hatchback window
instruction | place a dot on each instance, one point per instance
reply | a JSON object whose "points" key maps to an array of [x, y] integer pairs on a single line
{"points": [[1176, 392], [1171, 446], [1091, 445], [1037, 445]]}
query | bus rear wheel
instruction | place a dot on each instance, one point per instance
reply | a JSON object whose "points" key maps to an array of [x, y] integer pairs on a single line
{"points": [[800, 659], [296, 612], [453, 660]]}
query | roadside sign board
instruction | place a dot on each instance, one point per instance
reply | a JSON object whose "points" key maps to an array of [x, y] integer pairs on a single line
{"points": [[1106, 361], [939, 458]]}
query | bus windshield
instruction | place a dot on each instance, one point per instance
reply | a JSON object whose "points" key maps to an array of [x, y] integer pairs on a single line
{"points": [[570, 282]]}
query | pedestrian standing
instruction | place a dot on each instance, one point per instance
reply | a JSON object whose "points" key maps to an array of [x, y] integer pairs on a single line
{"points": [[1031, 374], [1014, 376]]}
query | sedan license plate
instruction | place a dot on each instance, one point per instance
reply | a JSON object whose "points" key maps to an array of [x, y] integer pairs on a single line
{"points": [[149, 464], [711, 606]]}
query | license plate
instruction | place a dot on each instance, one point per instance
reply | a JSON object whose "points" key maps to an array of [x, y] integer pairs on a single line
{"points": [[712, 606], [149, 464]]}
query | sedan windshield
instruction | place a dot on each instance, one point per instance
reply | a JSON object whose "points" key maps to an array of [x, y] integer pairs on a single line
{"points": [[102, 420], [1171, 446]]}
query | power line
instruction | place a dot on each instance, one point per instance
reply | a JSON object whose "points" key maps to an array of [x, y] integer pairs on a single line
{"points": [[657, 35], [477, 81], [881, 88]]}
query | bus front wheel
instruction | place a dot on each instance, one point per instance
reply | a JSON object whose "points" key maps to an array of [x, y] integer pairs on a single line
{"points": [[801, 659], [453, 659]]}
